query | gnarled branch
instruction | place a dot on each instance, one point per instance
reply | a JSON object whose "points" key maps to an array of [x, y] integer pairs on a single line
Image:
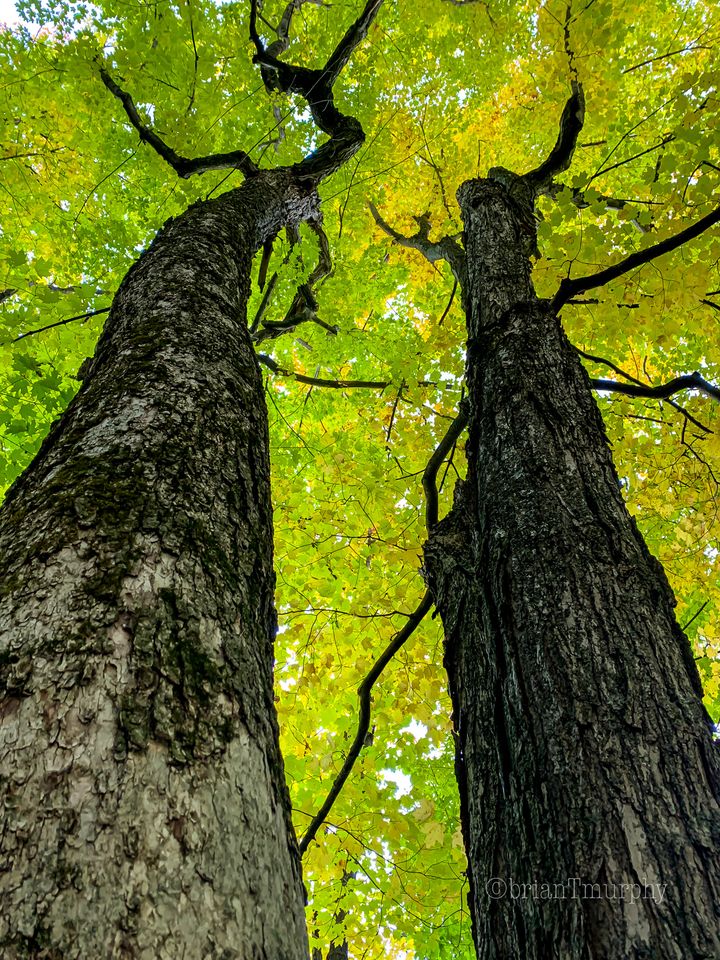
{"points": [[445, 249], [316, 87], [304, 305]]}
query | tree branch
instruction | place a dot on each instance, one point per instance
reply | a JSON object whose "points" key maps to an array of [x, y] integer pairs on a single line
{"points": [[354, 36], [621, 163], [59, 323], [626, 376], [316, 87], [364, 691], [33, 153], [570, 287], [274, 367], [445, 249], [608, 363], [611, 203], [560, 157], [264, 303], [304, 305], [446, 311], [691, 47], [524, 189], [429, 480], [183, 166], [282, 32], [689, 381]]}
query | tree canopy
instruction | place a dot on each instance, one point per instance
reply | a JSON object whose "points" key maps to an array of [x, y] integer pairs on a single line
{"points": [[362, 338]]}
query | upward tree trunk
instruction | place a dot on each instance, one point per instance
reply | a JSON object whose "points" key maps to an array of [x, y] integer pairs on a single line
{"points": [[589, 778], [145, 813]]}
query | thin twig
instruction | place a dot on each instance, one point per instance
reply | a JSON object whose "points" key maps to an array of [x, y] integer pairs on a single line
{"points": [[394, 411], [59, 323], [274, 366], [197, 60], [672, 53], [694, 616], [446, 311]]}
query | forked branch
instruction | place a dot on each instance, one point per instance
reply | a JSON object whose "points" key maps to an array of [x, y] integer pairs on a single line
{"points": [[282, 31], [445, 249], [304, 306], [316, 87], [346, 134], [630, 379], [689, 381]]}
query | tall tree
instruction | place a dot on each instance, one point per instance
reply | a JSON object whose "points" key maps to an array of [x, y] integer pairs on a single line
{"points": [[590, 781], [145, 802], [364, 371]]}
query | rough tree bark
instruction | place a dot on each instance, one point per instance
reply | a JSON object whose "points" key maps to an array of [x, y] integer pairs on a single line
{"points": [[145, 813], [584, 754], [145, 808]]}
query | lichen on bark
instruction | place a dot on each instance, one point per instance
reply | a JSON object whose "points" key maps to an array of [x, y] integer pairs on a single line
{"points": [[144, 806]]}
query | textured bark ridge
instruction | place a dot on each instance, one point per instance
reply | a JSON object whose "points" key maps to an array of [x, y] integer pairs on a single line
{"points": [[144, 809], [590, 781]]}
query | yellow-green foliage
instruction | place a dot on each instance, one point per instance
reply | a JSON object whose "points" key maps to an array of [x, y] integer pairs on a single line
{"points": [[444, 90]]}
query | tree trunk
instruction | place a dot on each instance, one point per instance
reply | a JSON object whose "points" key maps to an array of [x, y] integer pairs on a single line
{"points": [[145, 808], [589, 778]]}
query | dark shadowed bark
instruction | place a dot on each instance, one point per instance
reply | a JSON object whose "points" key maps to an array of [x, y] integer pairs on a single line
{"points": [[585, 757], [144, 809]]}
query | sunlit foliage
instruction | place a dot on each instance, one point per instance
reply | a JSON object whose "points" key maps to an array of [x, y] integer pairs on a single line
{"points": [[444, 91]]}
